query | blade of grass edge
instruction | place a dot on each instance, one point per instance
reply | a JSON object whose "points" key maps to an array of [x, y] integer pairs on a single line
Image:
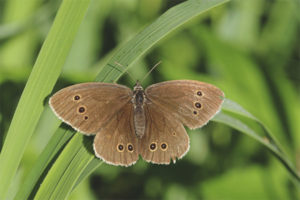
{"points": [[93, 165], [234, 107], [57, 141], [40, 83], [66, 169], [143, 41], [242, 127], [126, 55]]}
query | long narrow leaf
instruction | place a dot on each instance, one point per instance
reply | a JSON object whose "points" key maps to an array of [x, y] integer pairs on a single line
{"points": [[68, 175], [66, 169], [143, 41], [268, 141], [60, 137], [40, 83]]}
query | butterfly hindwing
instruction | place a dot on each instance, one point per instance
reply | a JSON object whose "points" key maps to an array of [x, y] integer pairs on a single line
{"points": [[116, 143], [165, 138]]}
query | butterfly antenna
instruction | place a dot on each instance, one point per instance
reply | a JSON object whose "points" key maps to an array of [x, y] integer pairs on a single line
{"points": [[126, 71], [151, 70]]}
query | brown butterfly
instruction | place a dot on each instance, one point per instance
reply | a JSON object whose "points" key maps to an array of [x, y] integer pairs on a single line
{"points": [[129, 123]]}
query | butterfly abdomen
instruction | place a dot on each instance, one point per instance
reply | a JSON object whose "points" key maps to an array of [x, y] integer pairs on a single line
{"points": [[139, 122], [139, 113]]}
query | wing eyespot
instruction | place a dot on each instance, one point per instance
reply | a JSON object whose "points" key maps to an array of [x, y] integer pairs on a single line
{"points": [[120, 148], [164, 146], [86, 117], [76, 97], [153, 146], [130, 147], [199, 93], [195, 112], [198, 105], [81, 109]]}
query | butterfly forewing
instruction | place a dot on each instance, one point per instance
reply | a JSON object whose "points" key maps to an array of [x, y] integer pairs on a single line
{"points": [[87, 107], [193, 103], [165, 137], [116, 143]]}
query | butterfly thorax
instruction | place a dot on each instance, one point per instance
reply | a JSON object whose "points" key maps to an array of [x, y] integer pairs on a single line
{"points": [[138, 101]]}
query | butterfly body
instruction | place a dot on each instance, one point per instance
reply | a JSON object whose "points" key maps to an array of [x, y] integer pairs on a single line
{"points": [[138, 101], [147, 123]]}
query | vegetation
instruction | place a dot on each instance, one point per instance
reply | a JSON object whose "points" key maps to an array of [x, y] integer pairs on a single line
{"points": [[249, 49]]}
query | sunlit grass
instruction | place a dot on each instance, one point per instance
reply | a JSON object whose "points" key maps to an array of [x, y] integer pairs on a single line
{"points": [[68, 158], [39, 85]]}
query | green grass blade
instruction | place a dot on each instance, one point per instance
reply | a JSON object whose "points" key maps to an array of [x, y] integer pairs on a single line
{"points": [[233, 107], [67, 169], [40, 83], [143, 41], [236, 108], [92, 166], [268, 141], [76, 162], [55, 144]]}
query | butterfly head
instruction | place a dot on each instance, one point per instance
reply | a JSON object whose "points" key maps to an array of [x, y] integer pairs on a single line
{"points": [[138, 86]]}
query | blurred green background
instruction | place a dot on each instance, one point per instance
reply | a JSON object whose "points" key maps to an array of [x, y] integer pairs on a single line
{"points": [[248, 48]]}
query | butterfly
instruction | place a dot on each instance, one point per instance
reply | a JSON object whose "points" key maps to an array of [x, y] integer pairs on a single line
{"points": [[131, 123]]}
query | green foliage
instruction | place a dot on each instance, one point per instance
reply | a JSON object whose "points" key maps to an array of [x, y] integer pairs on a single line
{"points": [[247, 48], [40, 83]]}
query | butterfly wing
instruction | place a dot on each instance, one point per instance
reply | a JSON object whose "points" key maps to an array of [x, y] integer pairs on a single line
{"points": [[89, 106], [116, 143], [165, 137], [193, 103]]}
